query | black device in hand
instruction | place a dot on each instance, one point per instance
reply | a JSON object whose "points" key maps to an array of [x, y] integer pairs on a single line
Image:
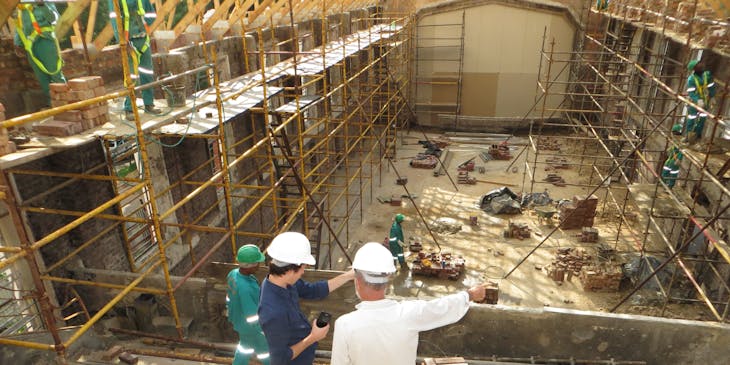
{"points": [[323, 319]]}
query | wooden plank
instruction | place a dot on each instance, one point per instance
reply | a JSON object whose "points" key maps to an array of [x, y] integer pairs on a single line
{"points": [[6, 9], [258, 10], [220, 12], [103, 38], [167, 8], [190, 17], [67, 19], [92, 20], [240, 11]]}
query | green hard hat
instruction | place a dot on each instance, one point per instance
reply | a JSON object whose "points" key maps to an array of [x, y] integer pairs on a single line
{"points": [[691, 65], [399, 217], [249, 254], [677, 128]]}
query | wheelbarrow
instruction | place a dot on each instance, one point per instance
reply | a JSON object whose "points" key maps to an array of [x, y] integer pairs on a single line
{"points": [[545, 213]]}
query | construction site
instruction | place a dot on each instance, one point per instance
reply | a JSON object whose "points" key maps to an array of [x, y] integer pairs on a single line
{"points": [[545, 148]]}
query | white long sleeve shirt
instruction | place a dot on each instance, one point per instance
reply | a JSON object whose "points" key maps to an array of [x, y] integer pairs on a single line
{"points": [[385, 332]]}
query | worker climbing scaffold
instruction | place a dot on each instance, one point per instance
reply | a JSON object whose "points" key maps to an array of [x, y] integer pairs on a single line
{"points": [[670, 171], [701, 90]]}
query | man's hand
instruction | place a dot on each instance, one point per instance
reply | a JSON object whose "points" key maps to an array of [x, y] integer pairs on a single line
{"points": [[19, 51], [477, 293], [701, 103], [319, 333]]}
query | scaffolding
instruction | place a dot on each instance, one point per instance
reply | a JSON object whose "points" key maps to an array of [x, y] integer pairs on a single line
{"points": [[625, 92], [297, 142]]}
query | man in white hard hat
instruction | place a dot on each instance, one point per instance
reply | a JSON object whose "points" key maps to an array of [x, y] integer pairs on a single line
{"points": [[291, 337], [383, 331]]}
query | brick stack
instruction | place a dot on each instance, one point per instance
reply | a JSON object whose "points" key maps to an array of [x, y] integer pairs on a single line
{"points": [[578, 213], [76, 121], [568, 261], [6, 145], [601, 278]]}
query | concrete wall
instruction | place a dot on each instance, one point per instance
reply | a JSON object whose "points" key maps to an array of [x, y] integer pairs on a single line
{"points": [[489, 330], [500, 62]]}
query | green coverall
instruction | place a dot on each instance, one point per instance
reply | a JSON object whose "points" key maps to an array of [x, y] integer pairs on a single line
{"points": [[41, 47], [670, 171], [601, 4], [396, 234], [243, 303], [141, 14], [699, 87]]}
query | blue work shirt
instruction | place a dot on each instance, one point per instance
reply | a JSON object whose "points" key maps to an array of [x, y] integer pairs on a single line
{"points": [[283, 322]]}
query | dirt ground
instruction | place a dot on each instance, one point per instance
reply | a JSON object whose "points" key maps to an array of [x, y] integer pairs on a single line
{"points": [[488, 255]]}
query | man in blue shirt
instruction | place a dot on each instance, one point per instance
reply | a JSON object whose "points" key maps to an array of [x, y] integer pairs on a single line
{"points": [[291, 337], [242, 300]]}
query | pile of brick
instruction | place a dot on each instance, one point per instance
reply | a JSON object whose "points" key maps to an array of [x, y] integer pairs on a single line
{"points": [[601, 278], [578, 213], [76, 121], [6, 145], [568, 262], [547, 144]]}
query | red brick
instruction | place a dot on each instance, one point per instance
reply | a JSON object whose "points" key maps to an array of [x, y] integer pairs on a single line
{"points": [[58, 88], [91, 113], [85, 83], [55, 103], [57, 128], [79, 95], [99, 91], [71, 116]]}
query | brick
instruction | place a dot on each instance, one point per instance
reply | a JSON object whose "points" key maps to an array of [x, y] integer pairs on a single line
{"points": [[85, 83], [111, 353], [71, 116], [91, 113], [79, 95], [58, 87], [99, 91], [57, 128], [55, 103]]}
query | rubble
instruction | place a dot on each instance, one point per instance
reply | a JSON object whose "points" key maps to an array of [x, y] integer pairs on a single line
{"points": [[516, 230], [568, 262], [547, 143], [500, 151], [446, 225], [588, 234], [555, 179], [442, 265]]}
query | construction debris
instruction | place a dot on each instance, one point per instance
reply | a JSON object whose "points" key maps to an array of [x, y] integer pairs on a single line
{"points": [[501, 201], [588, 234], [516, 230], [555, 179], [547, 143], [467, 165], [557, 162], [443, 265], [568, 262], [424, 161], [446, 225], [500, 151], [606, 278], [401, 181], [464, 178], [578, 213]]}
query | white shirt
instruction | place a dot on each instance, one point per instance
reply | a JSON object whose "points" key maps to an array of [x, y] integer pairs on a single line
{"points": [[385, 332]]}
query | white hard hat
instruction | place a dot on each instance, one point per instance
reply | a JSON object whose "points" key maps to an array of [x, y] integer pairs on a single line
{"points": [[291, 248], [374, 258]]}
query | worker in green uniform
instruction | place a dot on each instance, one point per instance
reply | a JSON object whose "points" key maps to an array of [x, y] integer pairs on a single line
{"points": [[137, 16], [396, 240], [700, 89], [35, 37], [242, 300], [670, 171], [601, 5]]}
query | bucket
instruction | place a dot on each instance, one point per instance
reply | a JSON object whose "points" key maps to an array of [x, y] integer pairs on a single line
{"points": [[175, 95]]}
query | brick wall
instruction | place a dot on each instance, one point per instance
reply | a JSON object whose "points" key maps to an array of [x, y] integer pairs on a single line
{"points": [[83, 196]]}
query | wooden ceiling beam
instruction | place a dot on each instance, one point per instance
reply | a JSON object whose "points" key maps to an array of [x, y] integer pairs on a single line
{"points": [[66, 21], [220, 13], [6, 9]]}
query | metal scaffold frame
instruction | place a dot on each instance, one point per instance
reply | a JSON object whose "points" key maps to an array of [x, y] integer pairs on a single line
{"points": [[624, 94], [320, 124]]}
